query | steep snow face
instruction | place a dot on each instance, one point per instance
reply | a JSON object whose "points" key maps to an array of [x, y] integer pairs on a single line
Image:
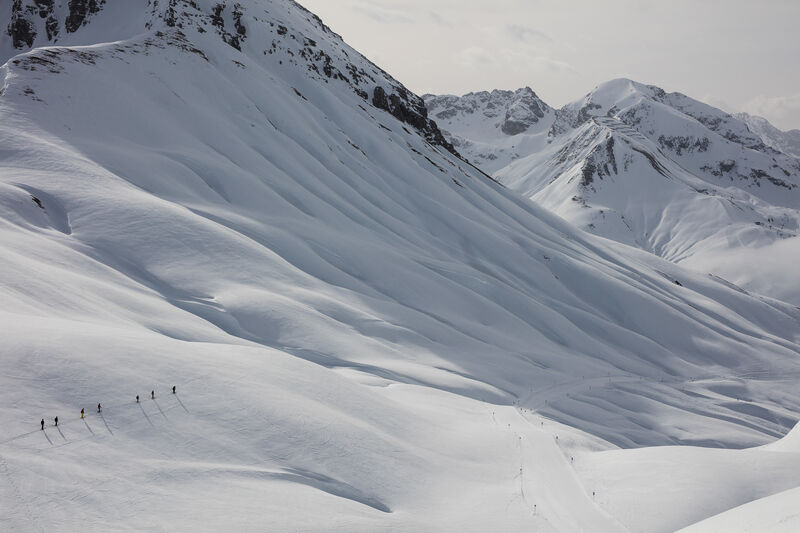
{"points": [[787, 142], [665, 173], [365, 331]]}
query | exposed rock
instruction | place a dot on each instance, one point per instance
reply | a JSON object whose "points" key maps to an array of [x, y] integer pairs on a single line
{"points": [[410, 109], [80, 11], [20, 28]]}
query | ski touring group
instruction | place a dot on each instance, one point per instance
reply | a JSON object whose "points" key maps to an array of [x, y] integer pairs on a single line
{"points": [[100, 407]]}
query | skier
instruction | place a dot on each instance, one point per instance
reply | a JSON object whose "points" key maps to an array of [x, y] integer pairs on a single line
{"points": [[137, 398], [152, 395], [42, 424], [173, 389], [82, 412], [99, 408], [56, 421]]}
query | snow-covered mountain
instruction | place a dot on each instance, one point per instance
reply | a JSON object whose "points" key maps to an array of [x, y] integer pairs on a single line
{"points": [[365, 331], [787, 142], [659, 171]]}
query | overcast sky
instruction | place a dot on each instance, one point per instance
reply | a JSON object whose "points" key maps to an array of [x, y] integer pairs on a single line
{"points": [[735, 54]]}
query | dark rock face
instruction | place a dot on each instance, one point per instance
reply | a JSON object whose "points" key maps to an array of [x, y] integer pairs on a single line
{"points": [[20, 28], [22, 25], [600, 163], [513, 127], [410, 109], [79, 12], [240, 34], [680, 144]]}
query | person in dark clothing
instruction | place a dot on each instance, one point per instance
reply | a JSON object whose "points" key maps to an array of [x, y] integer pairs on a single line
{"points": [[56, 420], [99, 408], [173, 389], [152, 395], [137, 398], [42, 424]]}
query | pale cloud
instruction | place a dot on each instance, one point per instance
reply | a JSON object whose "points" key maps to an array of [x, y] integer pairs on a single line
{"points": [[536, 60], [438, 19], [527, 34], [475, 56], [552, 65], [383, 15]]}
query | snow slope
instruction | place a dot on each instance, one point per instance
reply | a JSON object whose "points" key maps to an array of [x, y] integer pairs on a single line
{"points": [[365, 331], [658, 171], [777, 513]]}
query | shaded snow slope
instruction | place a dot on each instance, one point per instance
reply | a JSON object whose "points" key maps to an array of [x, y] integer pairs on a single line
{"points": [[358, 322], [658, 171]]}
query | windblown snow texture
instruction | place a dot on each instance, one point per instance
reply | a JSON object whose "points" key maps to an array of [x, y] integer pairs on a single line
{"points": [[365, 331]]}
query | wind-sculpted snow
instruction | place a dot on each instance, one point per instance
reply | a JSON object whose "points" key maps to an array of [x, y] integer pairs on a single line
{"points": [[655, 170], [365, 331]]}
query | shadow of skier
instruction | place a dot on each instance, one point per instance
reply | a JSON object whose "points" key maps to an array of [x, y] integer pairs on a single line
{"points": [[180, 402], [47, 437], [159, 409], [104, 422], [61, 433], [145, 415], [87, 426]]}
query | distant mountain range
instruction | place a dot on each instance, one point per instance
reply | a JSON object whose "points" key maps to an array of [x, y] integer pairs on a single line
{"points": [[787, 142], [656, 170]]}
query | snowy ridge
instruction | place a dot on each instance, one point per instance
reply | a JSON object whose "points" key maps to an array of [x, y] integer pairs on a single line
{"points": [[787, 142], [659, 171], [229, 21], [365, 332]]}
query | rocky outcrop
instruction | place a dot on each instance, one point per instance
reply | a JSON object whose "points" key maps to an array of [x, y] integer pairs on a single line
{"points": [[410, 109], [513, 111], [29, 18], [20, 28], [525, 110], [79, 13]]}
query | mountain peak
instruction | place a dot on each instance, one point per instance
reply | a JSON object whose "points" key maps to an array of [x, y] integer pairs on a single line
{"points": [[511, 112], [597, 160], [787, 142], [266, 31]]}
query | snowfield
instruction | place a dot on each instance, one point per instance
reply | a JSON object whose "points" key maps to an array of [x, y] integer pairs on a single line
{"points": [[366, 332]]}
